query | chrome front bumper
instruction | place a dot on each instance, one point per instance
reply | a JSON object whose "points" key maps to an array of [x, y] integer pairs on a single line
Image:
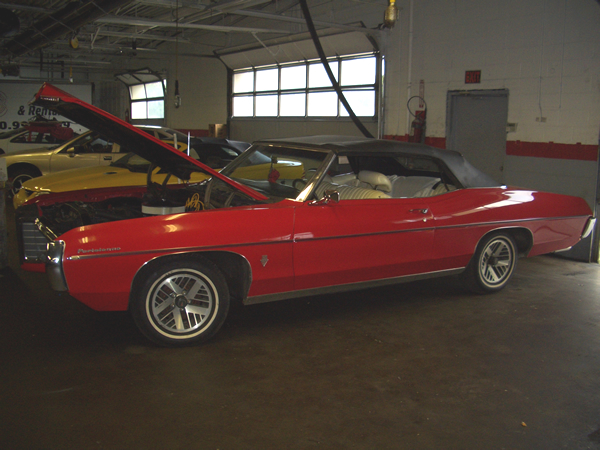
{"points": [[589, 227], [54, 266]]}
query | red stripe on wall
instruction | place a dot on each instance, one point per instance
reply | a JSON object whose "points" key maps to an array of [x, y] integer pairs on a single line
{"points": [[433, 141], [552, 150], [195, 133]]}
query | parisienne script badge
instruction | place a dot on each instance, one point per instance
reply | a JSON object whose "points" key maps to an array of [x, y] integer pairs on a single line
{"points": [[98, 250]]}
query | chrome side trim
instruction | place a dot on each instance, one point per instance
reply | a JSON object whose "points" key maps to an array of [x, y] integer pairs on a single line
{"points": [[54, 267], [589, 227], [500, 225], [349, 287], [507, 222], [563, 249], [173, 251]]}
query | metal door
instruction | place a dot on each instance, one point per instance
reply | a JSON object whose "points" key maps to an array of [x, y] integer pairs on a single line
{"points": [[476, 127]]}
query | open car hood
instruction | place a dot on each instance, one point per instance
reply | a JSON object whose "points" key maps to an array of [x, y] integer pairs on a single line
{"points": [[128, 136]]}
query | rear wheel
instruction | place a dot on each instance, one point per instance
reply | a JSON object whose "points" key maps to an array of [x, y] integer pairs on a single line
{"points": [[492, 264], [181, 303]]}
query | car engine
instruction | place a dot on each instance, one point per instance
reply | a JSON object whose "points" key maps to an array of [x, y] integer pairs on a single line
{"points": [[62, 217]]}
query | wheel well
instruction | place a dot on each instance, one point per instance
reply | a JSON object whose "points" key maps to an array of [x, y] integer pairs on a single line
{"points": [[234, 267], [522, 236], [14, 168]]}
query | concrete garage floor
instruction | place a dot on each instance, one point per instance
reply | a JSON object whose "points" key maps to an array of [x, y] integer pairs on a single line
{"points": [[416, 366]]}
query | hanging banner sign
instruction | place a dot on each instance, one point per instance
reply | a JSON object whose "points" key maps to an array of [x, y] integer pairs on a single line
{"points": [[15, 108]]}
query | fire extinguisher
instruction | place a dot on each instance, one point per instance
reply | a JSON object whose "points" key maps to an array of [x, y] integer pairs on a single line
{"points": [[418, 125]]}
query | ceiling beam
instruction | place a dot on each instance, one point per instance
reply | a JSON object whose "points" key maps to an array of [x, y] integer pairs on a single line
{"points": [[227, 4], [279, 18], [66, 20], [136, 21], [149, 37], [30, 62], [106, 47], [26, 8], [228, 7]]}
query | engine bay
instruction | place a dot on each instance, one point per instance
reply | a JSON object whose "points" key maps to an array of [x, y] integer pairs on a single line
{"points": [[157, 199]]}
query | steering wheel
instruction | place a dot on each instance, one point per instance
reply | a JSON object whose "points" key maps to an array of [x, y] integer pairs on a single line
{"points": [[156, 190], [300, 183]]}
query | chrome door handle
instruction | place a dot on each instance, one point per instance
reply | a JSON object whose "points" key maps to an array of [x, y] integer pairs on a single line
{"points": [[422, 211]]}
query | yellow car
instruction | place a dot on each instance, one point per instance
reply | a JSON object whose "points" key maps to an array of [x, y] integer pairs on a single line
{"points": [[132, 170], [129, 170], [92, 149]]}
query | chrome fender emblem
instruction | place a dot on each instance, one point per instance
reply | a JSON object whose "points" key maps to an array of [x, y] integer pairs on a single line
{"points": [[264, 260]]}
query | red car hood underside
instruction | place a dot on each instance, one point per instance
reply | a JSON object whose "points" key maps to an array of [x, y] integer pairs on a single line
{"points": [[128, 136]]}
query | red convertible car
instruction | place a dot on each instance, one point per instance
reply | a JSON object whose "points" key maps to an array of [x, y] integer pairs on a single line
{"points": [[288, 218]]}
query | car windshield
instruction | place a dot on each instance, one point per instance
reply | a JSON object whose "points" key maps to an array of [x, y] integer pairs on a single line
{"points": [[181, 137], [276, 171], [132, 162], [136, 163], [11, 133], [164, 133]]}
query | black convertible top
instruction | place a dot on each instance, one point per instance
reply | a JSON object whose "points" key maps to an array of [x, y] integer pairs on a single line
{"points": [[468, 175]]}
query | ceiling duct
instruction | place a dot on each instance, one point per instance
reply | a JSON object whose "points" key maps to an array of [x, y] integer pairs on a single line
{"points": [[65, 21]]}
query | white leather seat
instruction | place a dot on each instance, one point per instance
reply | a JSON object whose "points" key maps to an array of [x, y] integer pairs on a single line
{"points": [[349, 192], [374, 180], [346, 178]]}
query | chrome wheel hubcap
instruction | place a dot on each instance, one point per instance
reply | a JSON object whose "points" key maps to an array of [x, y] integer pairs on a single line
{"points": [[18, 183], [496, 262], [183, 302]]}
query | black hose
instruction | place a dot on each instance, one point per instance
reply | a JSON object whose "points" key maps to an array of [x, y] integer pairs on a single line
{"points": [[336, 85]]}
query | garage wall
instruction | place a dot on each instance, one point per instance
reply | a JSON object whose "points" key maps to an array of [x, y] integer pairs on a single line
{"points": [[113, 97], [545, 53], [203, 90], [94, 85], [15, 97], [251, 130]]}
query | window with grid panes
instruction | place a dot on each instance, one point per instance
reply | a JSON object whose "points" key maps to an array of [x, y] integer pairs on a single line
{"points": [[148, 100], [303, 89]]}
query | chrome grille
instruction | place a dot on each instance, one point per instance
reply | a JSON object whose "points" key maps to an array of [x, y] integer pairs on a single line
{"points": [[34, 242]]}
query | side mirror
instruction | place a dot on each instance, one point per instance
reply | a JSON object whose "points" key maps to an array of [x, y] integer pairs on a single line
{"points": [[330, 196]]}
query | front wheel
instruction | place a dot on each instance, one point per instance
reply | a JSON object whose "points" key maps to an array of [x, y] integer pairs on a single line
{"points": [[492, 264], [20, 176], [181, 303]]}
